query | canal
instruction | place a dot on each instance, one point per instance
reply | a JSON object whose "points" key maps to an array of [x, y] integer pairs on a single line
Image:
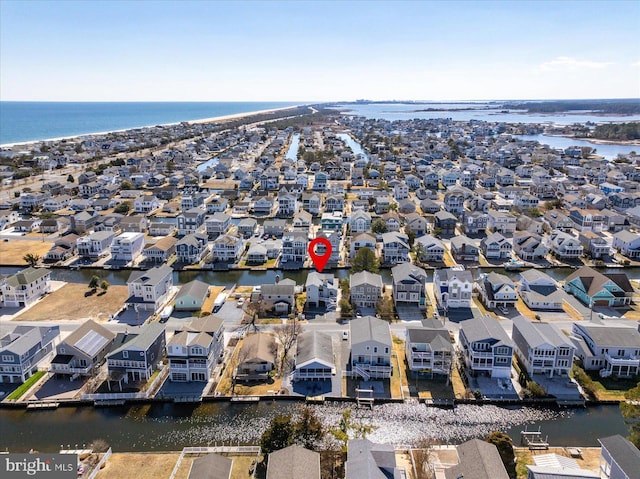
{"points": [[161, 427]]}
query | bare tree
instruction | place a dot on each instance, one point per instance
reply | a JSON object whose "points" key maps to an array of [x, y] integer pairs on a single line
{"points": [[423, 458], [286, 335]]}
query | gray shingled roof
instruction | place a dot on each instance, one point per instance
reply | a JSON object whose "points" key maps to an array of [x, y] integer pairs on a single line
{"points": [[365, 277], [23, 338], [195, 288], [370, 328], [293, 462], [211, 466], [610, 335], [142, 339], [27, 276], [538, 334], [407, 272], [152, 276], [314, 346], [626, 455], [478, 460], [367, 459], [484, 327], [438, 339]]}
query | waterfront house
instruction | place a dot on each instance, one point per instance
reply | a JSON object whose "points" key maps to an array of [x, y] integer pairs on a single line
{"points": [[539, 291], [191, 296], [275, 227], [211, 466], [148, 290], [314, 357], [453, 287], [293, 462], [279, 297], [136, 355], [257, 357], [264, 205], [429, 352], [294, 248], [127, 247], [95, 245], [191, 221], [529, 246], [25, 287], [80, 353], [477, 459], [409, 285], [598, 289], [371, 460], [393, 221], [564, 245], [192, 248], [612, 350], [555, 466], [370, 347], [446, 223], [485, 347], [627, 244], [360, 221], [594, 244], [227, 248], [24, 349], [497, 291], [195, 349], [217, 224], [366, 289], [395, 248], [542, 348], [464, 248], [161, 250], [362, 240], [496, 246], [322, 290], [429, 249], [619, 458]]}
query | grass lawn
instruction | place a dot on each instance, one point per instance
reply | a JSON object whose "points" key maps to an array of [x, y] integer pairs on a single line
{"points": [[590, 458], [459, 390], [18, 393], [448, 259], [214, 291], [70, 303], [571, 311], [139, 466], [11, 252], [524, 310], [611, 388]]}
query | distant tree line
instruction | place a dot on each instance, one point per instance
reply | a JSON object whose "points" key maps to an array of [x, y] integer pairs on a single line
{"points": [[621, 107], [617, 131]]}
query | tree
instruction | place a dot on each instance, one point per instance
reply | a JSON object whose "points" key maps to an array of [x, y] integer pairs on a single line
{"points": [[123, 208], [278, 435], [379, 226], [365, 260], [346, 308], [104, 286], [70, 179], [308, 430], [423, 456], [385, 309], [505, 448], [631, 413], [346, 426], [393, 207], [94, 282], [31, 259], [286, 335], [126, 185], [411, 236]]}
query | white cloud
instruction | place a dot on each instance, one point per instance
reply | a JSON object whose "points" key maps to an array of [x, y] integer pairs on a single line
{"points": [[636, 64], [568, 63]]}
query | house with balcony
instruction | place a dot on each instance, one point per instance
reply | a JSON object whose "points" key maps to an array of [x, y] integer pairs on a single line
{"points": [[192, 248], [294, 248], [474, 222], [303, 221], [619, 458], [477, 459], [627, 244], [429, 249], [247, 227], [485, 347], [542, 348], [587, 219], [287, 205], [416, 223], [275, 227], [366, 289], [257, 358], [83, 351], [217, 224], [161, 250], [136, 355], [360, 222], [216, 204], [25, 287], [227, 248], [496, 246], [409, 285], [370, 348], [497, 291], [558, 221], [320, 181], [334, 203], [529, 246], [446, 223], [362, 240], [148, 290], [464, 248], [312, 203], [24, 349], [563, 245], [314, 357], [594, 244], [501, 222], [191, 221], [429, 352], [454, 201], [453, 287], [612, 350], [594, 288], [264, 206], [95, 245], [278, 298], [539, 291], [195, 349], [395, 248], [126, 247], [146, 204], [84, 220], [322, 290]]}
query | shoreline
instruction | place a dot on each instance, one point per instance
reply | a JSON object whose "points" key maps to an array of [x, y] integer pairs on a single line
{"points": [[233, 116], [597, 141]]}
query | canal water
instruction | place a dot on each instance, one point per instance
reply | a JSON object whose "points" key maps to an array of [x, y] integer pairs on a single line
{"points": [[609, 151], [162, 427]]}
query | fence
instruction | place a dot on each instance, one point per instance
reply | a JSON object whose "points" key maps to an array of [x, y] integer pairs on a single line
{"points": [[161, 376], [206, 450], [104, 459]]}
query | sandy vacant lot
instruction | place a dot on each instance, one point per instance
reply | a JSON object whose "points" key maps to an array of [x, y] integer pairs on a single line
{"points": [[139, 466], [12, 251], [70, 303]]}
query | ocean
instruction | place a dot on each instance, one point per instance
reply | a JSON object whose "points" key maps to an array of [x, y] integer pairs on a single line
{"points": [[31, 121]]}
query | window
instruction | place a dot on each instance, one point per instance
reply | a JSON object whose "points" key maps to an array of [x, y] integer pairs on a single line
{"points": [[125, 354], [7, 358]]}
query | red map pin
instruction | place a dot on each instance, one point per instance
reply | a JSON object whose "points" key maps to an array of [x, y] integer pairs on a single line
{"points": [[320, 261]]}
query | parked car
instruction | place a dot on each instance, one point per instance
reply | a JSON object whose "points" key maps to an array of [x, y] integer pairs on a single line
{"points": [[345, 335]]}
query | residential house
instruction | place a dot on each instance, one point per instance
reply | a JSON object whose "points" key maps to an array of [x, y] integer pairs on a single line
{"points": [[322, 290], [594, 244], [409, 285], [362, 240], [314, 357], [134, 224], [563, 245], [485, 347], [287, 205], [148, 290], [497, 291], [501, 222], [542, 348], [416, 223], [279, 298], [454, 201], [84, 221], [191, 296], [320, 181], [257, 358], [464, 248], [627, 244], [25, 287], [597, 289], [195, 349], [312, 202], [146, 204], [217, 224], [83, 351], [392, 220], [474, 222], [275, 227], [227, 248], [558, 221], [331, 221], [370, 347], [360, 222], [264, 205], [161, 250], [127, 247], [303, 221], [539, 291], [24, 349], [370, 460], [366, 289], [293, 462], [95, 245], [429, 249], [216, 204], [555, 466], [395, 248], [587, 219], [453, 287], [619, 458], [429, 352], [529, 246], [612, 350], [191, 221], [446, 223], [294, 248], [247, 227], [192, 248], [496, 246], [334, 203], [137, 354], [477, 459], [211, 466]]}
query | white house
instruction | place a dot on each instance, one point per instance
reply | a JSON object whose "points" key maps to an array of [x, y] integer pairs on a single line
{"points": [[453, 287], [486, 348], [497, 290], [227, 248], [127, 246], [539, 291], [148, 290], [370, 348], [26, 287], [322, 290]]}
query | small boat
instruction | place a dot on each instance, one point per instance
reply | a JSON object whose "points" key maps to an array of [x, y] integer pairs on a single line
{"points": [[514, 265]]}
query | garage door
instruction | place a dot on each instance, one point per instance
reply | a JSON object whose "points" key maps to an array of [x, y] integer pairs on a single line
{"points": [[601, 302]]}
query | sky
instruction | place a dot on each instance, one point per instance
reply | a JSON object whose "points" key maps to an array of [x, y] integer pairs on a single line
{"points": [[318, 51]]}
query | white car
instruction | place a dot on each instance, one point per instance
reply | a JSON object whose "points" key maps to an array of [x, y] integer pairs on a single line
{"points": [[345, 335], [240, 303]]}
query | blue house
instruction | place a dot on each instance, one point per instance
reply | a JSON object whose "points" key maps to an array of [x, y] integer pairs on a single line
{"points": [[596, 289]]}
